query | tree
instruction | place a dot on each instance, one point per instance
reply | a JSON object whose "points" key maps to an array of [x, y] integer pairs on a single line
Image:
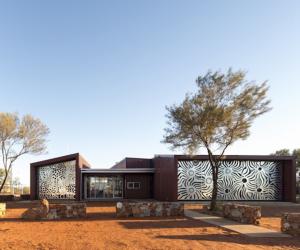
{"points": [[26, 190], [296, 152], [19, 136], [282, 152], [286, 152], [218, 114], [2, 174], [16, 182]]}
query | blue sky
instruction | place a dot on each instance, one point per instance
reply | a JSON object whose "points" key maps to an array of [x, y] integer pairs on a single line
{"points": [[100, 73]]}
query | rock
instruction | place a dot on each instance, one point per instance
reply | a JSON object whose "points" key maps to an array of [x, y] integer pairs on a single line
{"points": [[119, 205], [44, 206], [55, 211], [290, 223], [44, 203], [236, 213]]}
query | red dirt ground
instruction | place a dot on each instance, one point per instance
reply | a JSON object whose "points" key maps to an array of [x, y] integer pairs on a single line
{"points": [[101, 230], [271, 215]]}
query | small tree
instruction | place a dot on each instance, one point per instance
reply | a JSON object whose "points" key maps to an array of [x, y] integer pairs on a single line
{"points": [[19, 136], [17, 185], [218, 114], [26, 190]]}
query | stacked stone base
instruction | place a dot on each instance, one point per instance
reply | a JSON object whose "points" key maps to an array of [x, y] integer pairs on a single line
{"points": [[46, 211], [290, 223], [71, 210], [2, 209], [241, 213], [146, 209]]}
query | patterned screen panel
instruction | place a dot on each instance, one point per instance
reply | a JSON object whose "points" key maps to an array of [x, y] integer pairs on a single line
{"points": [[238, 180], [57, 181]]}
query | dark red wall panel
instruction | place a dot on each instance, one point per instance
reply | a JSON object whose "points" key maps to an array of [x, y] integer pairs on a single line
{"points": [[146, 188], [165, 178]]}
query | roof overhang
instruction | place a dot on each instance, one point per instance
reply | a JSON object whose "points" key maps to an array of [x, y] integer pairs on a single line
{"points": [[118, 171], [238, 157]]}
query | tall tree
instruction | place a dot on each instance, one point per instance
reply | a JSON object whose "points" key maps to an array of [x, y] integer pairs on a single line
{"points": [[218, 114], [19, 136]]}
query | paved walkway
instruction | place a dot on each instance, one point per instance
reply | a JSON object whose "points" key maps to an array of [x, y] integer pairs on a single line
{"points": [[246, 229]]}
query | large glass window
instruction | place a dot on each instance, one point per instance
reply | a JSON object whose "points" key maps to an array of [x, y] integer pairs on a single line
{"points": [[100, 187]]}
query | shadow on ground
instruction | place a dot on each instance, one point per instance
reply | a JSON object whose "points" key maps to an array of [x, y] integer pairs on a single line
{"points": [[159, 223], [236, 238]]}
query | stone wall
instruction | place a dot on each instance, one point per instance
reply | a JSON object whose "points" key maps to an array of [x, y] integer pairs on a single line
{"points": [[242, 213], [2, 209], [146, 209], [290, 223], [237, 212], [46, 211], [68, 210]]}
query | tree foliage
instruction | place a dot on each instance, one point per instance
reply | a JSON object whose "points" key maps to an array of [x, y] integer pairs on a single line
{"points": [[26, 190], [296, 152], [287, 152], [218, 114], [19, 136], [282, 152]]}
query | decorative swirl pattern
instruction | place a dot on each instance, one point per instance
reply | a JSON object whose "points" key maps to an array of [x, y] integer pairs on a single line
{"points": [[238, 180], [57, 181]]}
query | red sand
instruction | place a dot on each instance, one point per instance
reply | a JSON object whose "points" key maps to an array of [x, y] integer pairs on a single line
{"points": [[101, 230]]}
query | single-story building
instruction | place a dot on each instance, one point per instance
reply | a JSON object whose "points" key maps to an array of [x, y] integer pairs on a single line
{"points": [[165, 178]]}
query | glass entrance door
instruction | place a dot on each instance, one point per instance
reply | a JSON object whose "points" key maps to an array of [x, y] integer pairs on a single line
{"points": [[97, 187]]}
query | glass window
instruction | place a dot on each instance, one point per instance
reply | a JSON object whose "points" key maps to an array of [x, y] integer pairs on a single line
{"points": [[137, 185], [118, 191], [129, 185], [102, 187], [133, 185]]}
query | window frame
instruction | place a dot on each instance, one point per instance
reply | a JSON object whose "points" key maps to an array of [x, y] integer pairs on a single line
{"points": [[131, 185]]}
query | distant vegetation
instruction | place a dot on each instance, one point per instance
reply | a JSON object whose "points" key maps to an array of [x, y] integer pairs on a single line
{"points": [[287, 152]]}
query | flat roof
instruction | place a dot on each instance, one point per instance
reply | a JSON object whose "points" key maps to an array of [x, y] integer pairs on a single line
{"points": [[117, 170], [57, 159], [238, 157]]}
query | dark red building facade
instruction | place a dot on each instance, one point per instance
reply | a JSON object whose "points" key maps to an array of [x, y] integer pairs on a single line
{"points": [[165, 178]]}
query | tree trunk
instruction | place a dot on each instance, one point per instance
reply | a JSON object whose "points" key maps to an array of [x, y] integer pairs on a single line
{"points": [[213, 203], [215, 162], [214, 167], [4, 180]]}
